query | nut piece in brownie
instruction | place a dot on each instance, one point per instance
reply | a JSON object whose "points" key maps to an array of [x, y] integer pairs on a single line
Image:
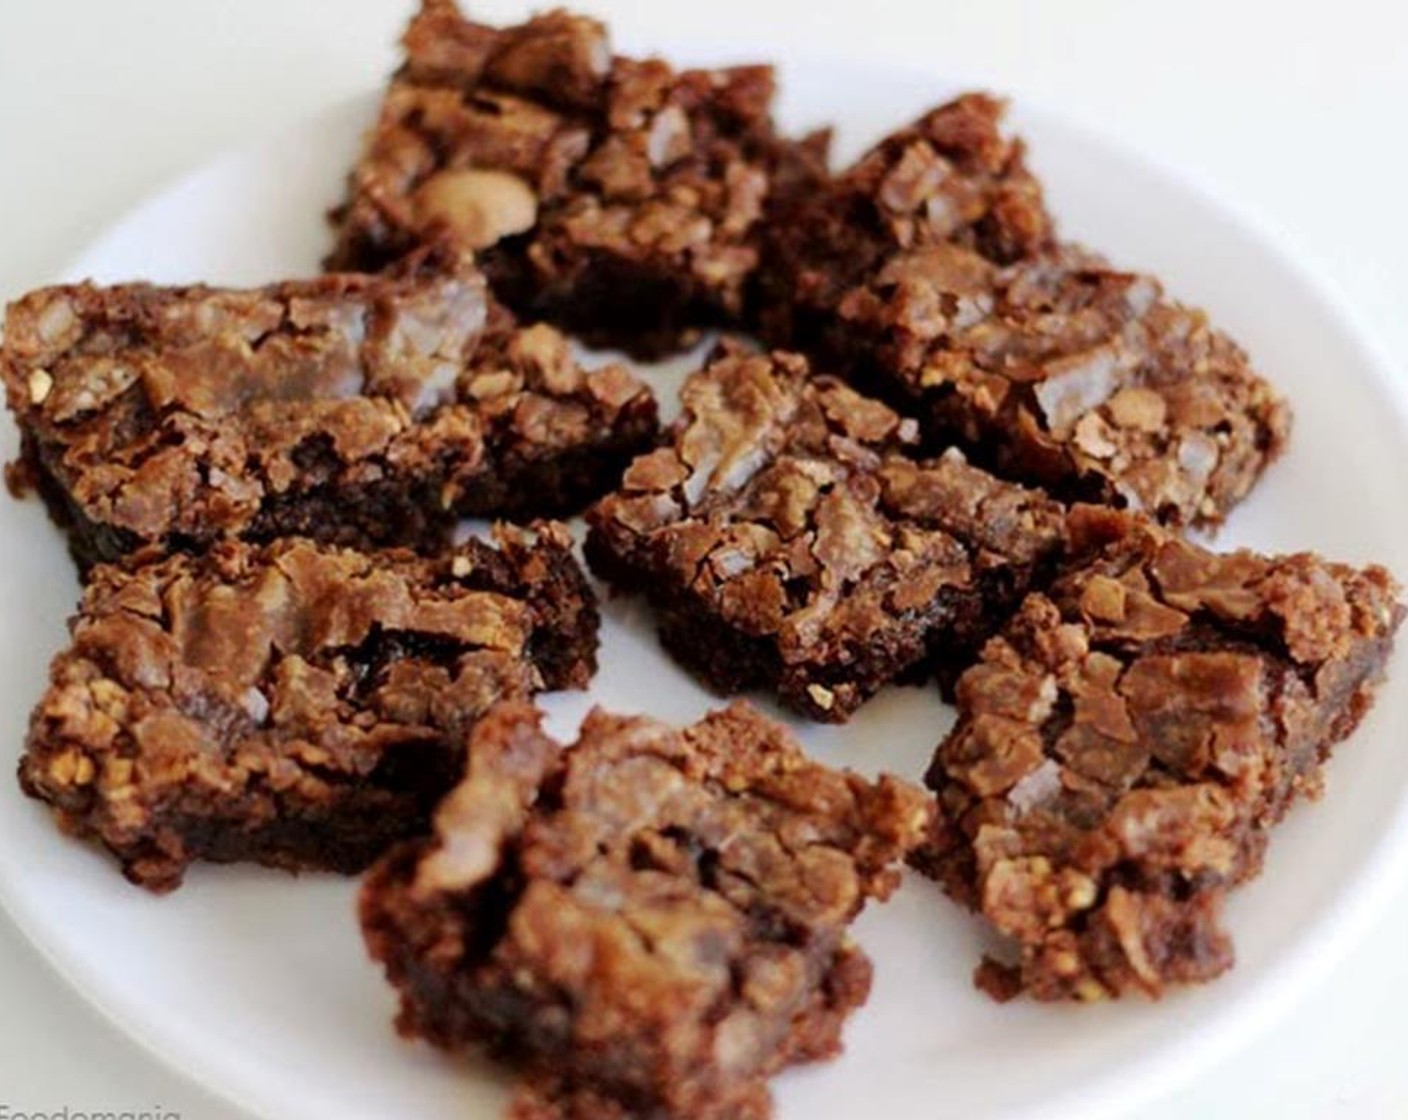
{"points": [[294, 704], [362, 410], [929, 275], [619, 197], [1124, 746], [649, 922], [786, 542]]}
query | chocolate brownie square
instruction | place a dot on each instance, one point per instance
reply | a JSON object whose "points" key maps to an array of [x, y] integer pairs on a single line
{"points": [[929, 275], [1125, 745], [294, 704], [362, 410], [952, 177], [786, 541], [650, 922], [1066, 373], [618, 197]]}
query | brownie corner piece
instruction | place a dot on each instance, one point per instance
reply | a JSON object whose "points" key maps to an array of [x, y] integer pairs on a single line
{"points": [[619, 197], [295, 704], [786, 541], [361, 410], [956, 174], [629, 920], [1125, 745], [953, 176], [929, 274]]}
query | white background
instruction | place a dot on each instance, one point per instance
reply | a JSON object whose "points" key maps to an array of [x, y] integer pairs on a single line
{"points": [[1294, 110]]}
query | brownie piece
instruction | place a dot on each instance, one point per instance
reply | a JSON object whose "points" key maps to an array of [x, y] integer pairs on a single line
{"points": [[929, 275], [618, 197], [1064, 372], [649, 922], [950, 178], [1123, 748], [294, 704], [353, 409], [785, 540]]}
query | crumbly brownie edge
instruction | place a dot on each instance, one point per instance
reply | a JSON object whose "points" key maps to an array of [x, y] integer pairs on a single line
{"points": [[89, 542], [520, 487], [526, 431], [731, 661], [1001, 538], [288, 804], [434, 909], [1318, 635], [622, 200], [566, 636]]}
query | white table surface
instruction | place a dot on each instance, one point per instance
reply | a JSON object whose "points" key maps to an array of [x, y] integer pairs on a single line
{"points": [[1292, 109]]}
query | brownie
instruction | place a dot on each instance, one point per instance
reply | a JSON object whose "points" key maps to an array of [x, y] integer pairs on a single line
{"points": [[929, 275], [294, 704], [618, 197], [786, 541], [361, 410], [1123, 748], [950, 178], [649, 922]]}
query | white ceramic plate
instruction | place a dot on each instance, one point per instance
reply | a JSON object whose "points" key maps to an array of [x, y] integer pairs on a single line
{"points": [[256, 984]]}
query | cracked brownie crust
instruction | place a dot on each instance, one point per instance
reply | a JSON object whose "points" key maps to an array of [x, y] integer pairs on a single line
{"points": [[1124, 746], [649, 922], [950, 178], [616, 196], [929, 274], [359, 410], [786, 542], [1069, 374], [298, 705]]}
